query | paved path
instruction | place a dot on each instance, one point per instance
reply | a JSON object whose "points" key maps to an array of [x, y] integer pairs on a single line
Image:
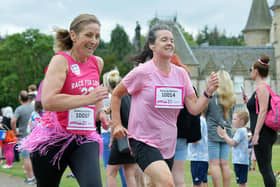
{"points": [[12, 181]]}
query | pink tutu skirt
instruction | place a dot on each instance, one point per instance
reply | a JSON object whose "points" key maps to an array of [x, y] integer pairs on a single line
{"points": [[49, 133]]}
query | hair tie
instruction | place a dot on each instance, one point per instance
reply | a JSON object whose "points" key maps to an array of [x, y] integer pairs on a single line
{"points": [[260, 61]]}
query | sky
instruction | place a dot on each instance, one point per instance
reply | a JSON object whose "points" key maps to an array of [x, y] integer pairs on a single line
{"points": [[228, 15]]}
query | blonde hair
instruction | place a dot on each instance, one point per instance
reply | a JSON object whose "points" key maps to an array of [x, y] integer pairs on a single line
{"points": [[243, 115], [111, 79], [225, 92]]}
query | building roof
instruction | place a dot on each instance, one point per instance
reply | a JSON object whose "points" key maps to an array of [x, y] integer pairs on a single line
{"points": [[276, 4], [234, 59], [259, 17]]}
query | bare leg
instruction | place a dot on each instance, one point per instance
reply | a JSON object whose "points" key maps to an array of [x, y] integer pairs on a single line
{"points": [[162, 178], [226, 173], [130, 174], [111, 173], [28, 167], [178, 172], [215, 172], [243, 185]]}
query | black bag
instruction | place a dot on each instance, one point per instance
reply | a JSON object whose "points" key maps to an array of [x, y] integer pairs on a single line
{"points": [[123, 145], [188, 126]]}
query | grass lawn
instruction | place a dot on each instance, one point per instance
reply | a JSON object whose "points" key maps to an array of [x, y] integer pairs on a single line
{"points": [[254, 178]]}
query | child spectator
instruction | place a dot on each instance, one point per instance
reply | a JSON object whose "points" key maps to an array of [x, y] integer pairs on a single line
{"points": [[10, 139], [38, 112], [198, 155], [239, 142]]}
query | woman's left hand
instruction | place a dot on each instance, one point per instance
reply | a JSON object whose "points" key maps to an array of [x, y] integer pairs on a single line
{"points": [[255, 139], [212, 84]]}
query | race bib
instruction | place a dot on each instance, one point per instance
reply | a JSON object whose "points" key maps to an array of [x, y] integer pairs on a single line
{"points": [[81, 119], [169, 97]]}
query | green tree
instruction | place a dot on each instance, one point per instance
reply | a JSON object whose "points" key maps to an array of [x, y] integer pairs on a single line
{"points": [[188, 37], [216, 37], [120, 44], [23, 58]]}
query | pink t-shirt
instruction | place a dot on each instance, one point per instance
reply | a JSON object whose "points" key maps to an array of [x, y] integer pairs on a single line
{"points": [[154, 126], [81, 79]]}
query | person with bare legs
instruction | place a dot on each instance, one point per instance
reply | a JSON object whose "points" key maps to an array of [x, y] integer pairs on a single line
{"points": [[219, 113], [158, 90], [239, 143]]}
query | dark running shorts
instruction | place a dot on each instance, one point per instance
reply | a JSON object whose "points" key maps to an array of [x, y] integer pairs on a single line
{"points": [[144, 154]]}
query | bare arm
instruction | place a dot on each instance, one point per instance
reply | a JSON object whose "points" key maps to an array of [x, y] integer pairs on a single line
{"points": [[14, 124], [118, 130], [99, 104], [263, 98], [53, 100], [223, 134], [102, 115], [197, 105]]}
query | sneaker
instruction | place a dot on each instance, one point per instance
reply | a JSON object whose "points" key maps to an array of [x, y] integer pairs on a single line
{"points": [[70, 175], [5, 166], [30, 181]]}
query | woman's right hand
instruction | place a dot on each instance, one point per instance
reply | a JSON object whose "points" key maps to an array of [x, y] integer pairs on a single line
{"points": [[119, 132], [98, 94]]}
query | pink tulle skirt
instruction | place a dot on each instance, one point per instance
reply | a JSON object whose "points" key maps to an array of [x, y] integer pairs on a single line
{"points": [[49, 133]]}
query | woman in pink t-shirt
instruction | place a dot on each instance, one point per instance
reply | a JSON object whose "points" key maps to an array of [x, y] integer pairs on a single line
{"points": [[72, 98], [158, 91]]}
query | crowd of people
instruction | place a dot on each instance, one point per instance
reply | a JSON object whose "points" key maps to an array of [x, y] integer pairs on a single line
{"points": [[155, 109]]}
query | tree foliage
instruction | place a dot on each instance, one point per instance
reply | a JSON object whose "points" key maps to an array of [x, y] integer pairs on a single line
{"points": [[216, 37], [23, 58], [120, 44]]}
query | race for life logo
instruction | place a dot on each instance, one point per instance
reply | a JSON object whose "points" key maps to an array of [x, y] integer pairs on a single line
{"points": [[75, 69]]}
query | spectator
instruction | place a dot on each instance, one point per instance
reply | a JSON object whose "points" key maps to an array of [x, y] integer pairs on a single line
{"points": [[239, 142], [263, 136], [198, 155], [21, 116], [219, 113]]}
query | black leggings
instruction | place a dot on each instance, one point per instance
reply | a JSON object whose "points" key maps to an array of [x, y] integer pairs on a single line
{"points": [[83, 160], [263, 152]]}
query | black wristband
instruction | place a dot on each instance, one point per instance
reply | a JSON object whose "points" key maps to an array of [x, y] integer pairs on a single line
{"points": [[206, 95]]}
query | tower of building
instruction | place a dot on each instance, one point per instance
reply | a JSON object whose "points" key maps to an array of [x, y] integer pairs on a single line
{"points": [[275, 39], [257, 29]]}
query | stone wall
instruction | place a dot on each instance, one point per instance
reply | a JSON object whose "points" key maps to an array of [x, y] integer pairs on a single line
{"points": [[257, 38]]}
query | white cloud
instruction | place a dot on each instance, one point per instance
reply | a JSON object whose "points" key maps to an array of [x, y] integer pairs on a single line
{"points": [[7, 29]]}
